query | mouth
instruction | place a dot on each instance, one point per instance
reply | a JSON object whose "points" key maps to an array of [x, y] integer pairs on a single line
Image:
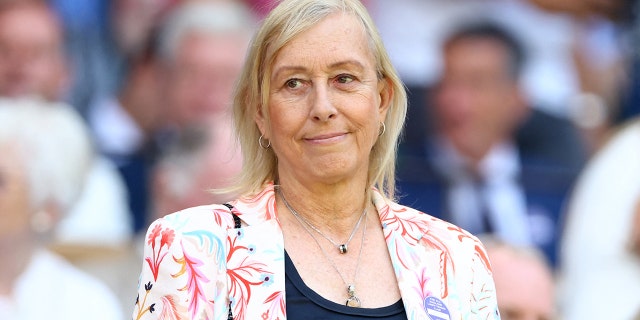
{"points": [[326, 138]]}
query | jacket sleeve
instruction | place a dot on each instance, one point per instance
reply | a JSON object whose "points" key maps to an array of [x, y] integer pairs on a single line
{"points": [[183, 270], [484, 303]]}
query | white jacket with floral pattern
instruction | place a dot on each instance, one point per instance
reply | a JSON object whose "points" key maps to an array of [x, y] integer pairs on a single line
{"points": [[197, 265]]}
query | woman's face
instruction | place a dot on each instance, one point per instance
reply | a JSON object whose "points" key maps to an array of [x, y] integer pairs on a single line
{"points": [[326, 103], [15, 208]]}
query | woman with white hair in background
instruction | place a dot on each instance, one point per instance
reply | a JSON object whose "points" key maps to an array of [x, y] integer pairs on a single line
{"points": [[45, 153]]}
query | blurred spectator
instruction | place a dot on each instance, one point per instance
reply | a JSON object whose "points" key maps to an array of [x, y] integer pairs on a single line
{"points": [[202, 46], [181, 79], [32, 60], [549, 78], [525, 283], [600, 271], [202, 159], [46, 154], [578, 51], [32, 64], [124, 127], [479, 155]]}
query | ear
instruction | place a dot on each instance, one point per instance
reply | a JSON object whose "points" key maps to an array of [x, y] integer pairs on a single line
{"points": [[521, 104], [44, 220], [261, 122], [386, 92]]}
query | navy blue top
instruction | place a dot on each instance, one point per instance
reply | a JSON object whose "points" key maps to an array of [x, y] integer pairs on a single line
{"points": [[304, 303]]}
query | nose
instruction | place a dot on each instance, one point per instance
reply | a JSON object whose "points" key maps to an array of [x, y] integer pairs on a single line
{"points": [[322, 108]]}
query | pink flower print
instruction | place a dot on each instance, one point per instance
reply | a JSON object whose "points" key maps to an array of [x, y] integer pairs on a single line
{"points": [[190, 266]]}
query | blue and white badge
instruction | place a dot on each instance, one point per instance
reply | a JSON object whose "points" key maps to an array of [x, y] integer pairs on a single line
{"points": [[436, 309]]}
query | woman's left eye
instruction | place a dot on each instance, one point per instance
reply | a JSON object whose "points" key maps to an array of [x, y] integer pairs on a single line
{"points": [[344, 78]]}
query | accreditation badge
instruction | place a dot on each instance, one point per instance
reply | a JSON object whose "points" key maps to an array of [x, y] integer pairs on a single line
{"points": [[436, 309]]}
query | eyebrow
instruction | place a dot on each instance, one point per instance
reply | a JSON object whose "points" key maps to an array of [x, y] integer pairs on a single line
{"points": [[340, 64]]}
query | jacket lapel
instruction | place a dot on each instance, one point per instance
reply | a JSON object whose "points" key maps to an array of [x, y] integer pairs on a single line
{"points": [[255, 260], [416, 266]]}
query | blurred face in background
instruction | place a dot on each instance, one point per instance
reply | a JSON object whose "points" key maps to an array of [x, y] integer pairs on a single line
{"points": [[524, 286], [14, 194], [31, 57], [202, 75], [478, 102]]}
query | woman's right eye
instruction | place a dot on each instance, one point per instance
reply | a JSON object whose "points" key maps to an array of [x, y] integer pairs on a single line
{"points": [[293, 83]]}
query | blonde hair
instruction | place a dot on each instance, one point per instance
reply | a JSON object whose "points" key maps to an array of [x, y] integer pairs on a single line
{"points": [[286, 21]]}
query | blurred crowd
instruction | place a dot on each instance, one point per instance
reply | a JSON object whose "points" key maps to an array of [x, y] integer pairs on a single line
{"points": [[523, 128]]}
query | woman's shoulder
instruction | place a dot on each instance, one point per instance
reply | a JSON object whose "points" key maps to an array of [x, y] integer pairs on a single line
{"points": [[212, 218]]}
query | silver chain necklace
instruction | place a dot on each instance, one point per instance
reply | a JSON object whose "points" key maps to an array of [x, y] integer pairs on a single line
{"points": [[342, 248], [353, 300]]}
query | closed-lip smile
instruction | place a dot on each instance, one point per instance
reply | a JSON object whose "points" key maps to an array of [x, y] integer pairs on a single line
{"points": [[328, 137]]}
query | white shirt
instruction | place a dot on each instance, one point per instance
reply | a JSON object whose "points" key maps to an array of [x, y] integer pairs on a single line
{"points": [[52, 289], [101, 215], [500, 194], [114, 129]]}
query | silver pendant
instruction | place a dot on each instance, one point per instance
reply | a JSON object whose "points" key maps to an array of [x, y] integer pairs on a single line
{"points": [[342, 248], [353, 301]]}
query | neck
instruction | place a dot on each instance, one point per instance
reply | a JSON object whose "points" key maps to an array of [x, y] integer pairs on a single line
{"points": [[15, 255], [334, 209]]}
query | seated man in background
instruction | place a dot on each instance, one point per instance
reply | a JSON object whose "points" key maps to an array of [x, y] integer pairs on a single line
{"points": [[184, 78], [479, 156], [46, 154]]}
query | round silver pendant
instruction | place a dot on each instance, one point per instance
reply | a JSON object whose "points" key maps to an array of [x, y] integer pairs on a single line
{"points": [[342, 248]]}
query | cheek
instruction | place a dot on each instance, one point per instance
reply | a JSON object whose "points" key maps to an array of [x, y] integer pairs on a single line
{"points": [[286, 117], [14, 209]]}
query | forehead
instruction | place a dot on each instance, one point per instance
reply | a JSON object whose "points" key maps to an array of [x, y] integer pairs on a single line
{"points": [[335, 38], [29, 22], [476, 50]]}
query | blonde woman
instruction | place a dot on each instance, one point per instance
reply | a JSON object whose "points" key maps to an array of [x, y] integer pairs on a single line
{"points": [[317, 235]]}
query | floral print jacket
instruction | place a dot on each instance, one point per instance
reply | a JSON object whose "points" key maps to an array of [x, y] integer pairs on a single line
{"points": [[197, 265]]}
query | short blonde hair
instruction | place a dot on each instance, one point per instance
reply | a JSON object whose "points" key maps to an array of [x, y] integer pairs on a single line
{"points": [[286, 21]]}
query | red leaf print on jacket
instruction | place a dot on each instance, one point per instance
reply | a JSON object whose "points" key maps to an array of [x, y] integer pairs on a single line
{"points": [[166, 238], [242, 275]]}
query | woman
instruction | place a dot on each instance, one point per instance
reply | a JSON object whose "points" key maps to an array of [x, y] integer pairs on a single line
{"points": [[45, 153], [318, 112]]}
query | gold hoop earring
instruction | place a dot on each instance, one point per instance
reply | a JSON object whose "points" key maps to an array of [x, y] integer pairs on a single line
{"points": [[383, 128], [261, 143]]}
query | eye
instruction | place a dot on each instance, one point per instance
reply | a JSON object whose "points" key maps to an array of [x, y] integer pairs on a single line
{"points": [[344, 78], [293, 83]]}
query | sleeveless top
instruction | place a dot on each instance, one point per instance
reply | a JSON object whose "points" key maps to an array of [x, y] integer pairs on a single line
{"points": [[304, 303]]}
